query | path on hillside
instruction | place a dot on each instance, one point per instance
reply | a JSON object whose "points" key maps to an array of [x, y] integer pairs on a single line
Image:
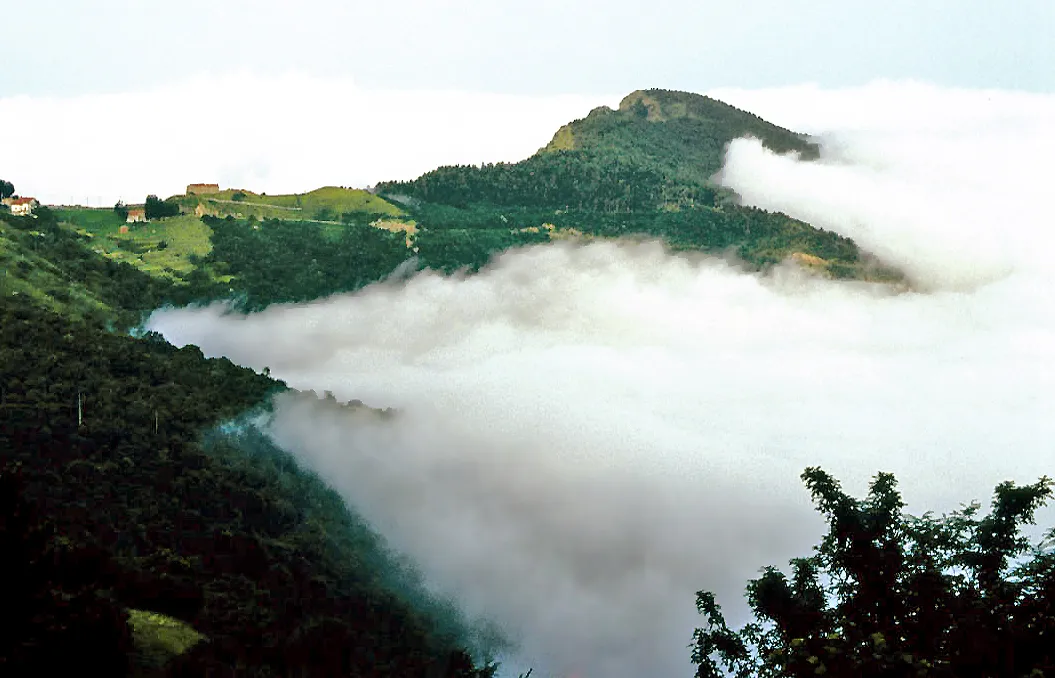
{"points": [[257, 204]]}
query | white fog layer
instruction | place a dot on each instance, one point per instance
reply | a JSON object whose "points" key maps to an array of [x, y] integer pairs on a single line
{"points": [[587, 435]]}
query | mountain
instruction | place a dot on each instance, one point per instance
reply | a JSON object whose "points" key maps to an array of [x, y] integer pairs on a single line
{"points": [[643, 169], [657, 150], [682, 134]]}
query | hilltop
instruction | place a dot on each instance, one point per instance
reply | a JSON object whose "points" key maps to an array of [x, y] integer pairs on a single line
{"points": [[641, 170], [681, 133], [327, 204], [658, 150]]}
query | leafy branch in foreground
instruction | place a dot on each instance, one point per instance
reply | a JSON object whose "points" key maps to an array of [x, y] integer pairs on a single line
{"points": [[889, 594]]}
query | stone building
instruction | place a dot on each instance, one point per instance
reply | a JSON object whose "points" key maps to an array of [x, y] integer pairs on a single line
{"points": [[202, 189]]}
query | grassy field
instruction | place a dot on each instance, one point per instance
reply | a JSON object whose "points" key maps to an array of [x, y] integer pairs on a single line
{"points": [[158, 639], [164, 248], [23, 272], [161, 247], [322, 204], [97, 221]]}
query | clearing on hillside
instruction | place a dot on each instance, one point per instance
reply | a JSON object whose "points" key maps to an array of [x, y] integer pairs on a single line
{"points": [[161, 247], [323, 204]]}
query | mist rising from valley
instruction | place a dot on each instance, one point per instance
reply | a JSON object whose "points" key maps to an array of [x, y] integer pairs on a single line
{"points": [[587, 434]]}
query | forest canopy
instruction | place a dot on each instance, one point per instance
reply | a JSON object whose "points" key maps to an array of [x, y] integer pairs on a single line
{"points": [[890, 594]]}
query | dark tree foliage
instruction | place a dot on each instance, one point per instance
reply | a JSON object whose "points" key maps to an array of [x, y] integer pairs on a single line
{"points": [[888, 594], [450, 250], [582, 180], [156, 208], [362, 218], [758, 237], [56, 592], [121, 210], [100, 433], [7, 189], [287, 261]]}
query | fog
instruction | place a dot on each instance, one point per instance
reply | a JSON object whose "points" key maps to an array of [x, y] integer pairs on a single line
{"points": [[280, 133], [589, 434]]}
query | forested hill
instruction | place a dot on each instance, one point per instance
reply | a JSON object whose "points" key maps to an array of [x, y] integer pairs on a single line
{"points": [[658, 150], [643, 169], [139, 537], [680, 133], [112, 507]]}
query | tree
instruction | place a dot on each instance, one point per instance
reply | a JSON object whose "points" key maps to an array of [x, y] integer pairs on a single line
{"points": [[7, 189], [59, 620], [156, 208], [888, 594], [121, 210]]}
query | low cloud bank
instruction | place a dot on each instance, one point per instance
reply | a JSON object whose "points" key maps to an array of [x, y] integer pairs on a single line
{"points": [[587, 435], [275, 134], [952, 185]]}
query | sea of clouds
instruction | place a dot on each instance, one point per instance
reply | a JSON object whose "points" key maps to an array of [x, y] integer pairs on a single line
{"points": [[589, 434]]}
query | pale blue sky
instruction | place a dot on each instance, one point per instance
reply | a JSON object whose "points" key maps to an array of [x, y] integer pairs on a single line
{"points": [[535, 47]]}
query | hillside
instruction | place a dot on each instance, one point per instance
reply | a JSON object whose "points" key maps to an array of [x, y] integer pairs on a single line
{"points": [[166, 247], [56, 267], [135, 529], [683, 134], [200, 258], [330, 203], [116, 510], [658, 150], [643, 169]]}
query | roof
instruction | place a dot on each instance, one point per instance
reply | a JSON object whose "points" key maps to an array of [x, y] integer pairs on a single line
{"points": [[23, 201]]}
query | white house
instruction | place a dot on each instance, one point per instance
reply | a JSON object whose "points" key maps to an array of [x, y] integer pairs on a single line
{"points": [[21, 206]]}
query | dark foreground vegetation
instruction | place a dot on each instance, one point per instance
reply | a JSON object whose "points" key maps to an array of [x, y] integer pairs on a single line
{"points": [[110, 501], [888, 595]]}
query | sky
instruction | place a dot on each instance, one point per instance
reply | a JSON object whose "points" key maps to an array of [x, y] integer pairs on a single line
{"points": [[527, 47], [588, 434]]}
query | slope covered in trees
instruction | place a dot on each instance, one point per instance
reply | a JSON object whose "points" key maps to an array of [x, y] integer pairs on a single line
{"points": [[643, 169], [286, 261], [658, 149], [110, 502], [682, 134]]}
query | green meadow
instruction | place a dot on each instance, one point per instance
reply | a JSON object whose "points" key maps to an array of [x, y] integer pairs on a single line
{"points": [[160, 247], [322, 204]]}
